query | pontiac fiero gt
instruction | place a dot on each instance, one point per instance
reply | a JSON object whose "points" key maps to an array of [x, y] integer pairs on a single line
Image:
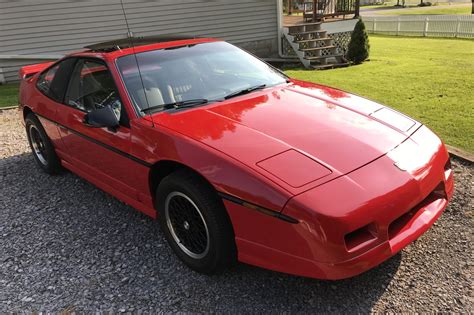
{"points": [[236, 160]]}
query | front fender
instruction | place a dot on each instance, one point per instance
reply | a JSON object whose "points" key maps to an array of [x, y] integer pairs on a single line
{"points": [[225, 173]]}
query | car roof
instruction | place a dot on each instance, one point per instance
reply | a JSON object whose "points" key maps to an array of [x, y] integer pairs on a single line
{"points": [[122, 43], [126, 46]]}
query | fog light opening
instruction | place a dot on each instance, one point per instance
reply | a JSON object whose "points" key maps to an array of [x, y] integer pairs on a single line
{"points": [[440, 191], [447, 169], [361, 237]]}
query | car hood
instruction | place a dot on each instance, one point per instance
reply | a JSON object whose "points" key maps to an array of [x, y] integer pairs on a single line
{"points": [[280, 129]]}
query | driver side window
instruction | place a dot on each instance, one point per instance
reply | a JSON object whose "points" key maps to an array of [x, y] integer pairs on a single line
{"points": [[92, 87]]}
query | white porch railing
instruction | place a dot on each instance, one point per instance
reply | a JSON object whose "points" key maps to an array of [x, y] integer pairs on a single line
{"points": [[461, 26]]}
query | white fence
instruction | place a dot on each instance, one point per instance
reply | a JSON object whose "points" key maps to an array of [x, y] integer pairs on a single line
{"points": [[461, 26]]}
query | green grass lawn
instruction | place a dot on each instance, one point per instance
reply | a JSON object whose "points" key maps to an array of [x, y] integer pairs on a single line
{"points": [[437, 10], [429, 79], [8, 95]]}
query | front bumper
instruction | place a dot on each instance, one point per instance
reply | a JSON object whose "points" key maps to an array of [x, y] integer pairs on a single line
{"points": [[419, 224], [271, 258], [355, 222]]}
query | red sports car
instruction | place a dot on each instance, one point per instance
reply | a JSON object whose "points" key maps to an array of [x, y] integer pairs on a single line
{"points": [[236, 160]]}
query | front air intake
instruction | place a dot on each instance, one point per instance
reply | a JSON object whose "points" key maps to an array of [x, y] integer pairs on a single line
{"points": [[401, 222], [360, 237]]}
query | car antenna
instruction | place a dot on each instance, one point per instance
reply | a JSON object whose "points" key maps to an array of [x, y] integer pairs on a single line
{"points": [[130, 37]]}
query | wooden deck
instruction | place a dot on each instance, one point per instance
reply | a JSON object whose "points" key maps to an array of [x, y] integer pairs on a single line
{"points": [[291, 20], [301, 11]]}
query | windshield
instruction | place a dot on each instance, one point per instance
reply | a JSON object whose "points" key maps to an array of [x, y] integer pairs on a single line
{"points": [[208, 71]]}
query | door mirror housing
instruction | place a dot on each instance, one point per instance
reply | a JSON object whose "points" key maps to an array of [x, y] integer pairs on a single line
{"points": [[102, 118]]}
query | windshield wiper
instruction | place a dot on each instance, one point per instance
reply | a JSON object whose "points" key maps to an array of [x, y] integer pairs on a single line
{"points": [[246, 91], [176, 105]]}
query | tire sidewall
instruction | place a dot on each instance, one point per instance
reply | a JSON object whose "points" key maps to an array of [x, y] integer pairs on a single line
{"points": [[52, 162], [207, 263]]}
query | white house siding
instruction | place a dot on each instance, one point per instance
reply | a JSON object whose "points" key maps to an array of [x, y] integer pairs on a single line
{"points": [[53, 27]]}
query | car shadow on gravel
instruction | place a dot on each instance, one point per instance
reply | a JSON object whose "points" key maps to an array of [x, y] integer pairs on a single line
{"points": [[64, 244]]}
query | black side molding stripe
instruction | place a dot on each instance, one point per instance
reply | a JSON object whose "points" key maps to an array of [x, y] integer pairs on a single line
{"points": [[106, 146], [231, 198], [258, 208]]}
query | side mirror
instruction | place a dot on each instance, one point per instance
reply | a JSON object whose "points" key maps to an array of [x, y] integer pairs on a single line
{"points": [[102, 117]]}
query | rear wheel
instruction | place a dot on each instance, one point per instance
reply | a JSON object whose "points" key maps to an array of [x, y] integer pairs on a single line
{"points": [[41, 146], [195, 223]]}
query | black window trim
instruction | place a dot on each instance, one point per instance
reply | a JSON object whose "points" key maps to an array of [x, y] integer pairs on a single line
{"points": [[126, 122], [57, 63], [137, 110], [62, 102]]}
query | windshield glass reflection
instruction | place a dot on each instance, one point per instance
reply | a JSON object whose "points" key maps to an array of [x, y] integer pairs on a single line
{"points": [[207, 71]]}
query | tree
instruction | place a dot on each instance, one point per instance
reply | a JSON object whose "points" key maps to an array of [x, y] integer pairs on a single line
{"points": [[403, 3], [358, 50]]}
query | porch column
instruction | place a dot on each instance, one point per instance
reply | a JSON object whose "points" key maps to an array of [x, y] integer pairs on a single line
{"points": [[357, 8], [315, 11]]}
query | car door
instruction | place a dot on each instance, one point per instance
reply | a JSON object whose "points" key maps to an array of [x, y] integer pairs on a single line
{"points": [[98, 153]]}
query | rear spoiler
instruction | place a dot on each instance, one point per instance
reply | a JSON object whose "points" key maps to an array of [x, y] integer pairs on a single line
{"points": [[30, 70]]}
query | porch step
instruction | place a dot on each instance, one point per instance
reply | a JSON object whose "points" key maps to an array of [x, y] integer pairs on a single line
{"points": [[312, 40], [318, 48], [308, 40], [306, 27], [322, 67], [322, 57], [330, 66], [311, 23], [307, 32]]}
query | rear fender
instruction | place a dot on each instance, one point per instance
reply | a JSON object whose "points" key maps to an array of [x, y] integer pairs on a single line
{"points": [[30, 70]]}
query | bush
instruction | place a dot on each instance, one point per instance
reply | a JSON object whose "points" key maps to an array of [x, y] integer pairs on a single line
{"points": [[425, 4], [358, 50]]}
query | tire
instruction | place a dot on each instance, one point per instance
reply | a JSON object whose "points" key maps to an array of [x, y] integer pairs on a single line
{"points": [[195, 223], [41, 146]]}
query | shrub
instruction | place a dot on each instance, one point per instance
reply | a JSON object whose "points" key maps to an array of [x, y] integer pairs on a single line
{"points": [[425, 4], [358, 50]]}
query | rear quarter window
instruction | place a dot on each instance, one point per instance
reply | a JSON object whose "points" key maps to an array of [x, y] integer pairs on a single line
{"points": [[53, 82], [45, 80]]}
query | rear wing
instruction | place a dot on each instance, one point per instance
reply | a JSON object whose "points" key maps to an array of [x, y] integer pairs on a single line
{"points": [[30, 70]]}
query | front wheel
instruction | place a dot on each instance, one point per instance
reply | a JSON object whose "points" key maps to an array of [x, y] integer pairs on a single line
{"points": [[195, 223], [41, 146]]}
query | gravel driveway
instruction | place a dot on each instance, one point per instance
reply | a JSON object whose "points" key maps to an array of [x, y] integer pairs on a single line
{"points": [[66, 245]]}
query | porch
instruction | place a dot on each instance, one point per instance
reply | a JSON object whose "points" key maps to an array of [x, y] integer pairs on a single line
{"points": [[318, 32], [297, 12]]}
